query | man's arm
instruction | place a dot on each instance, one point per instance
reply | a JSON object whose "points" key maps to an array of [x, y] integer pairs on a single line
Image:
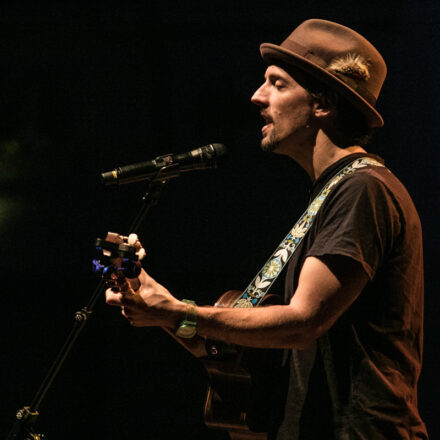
{"points": [[320, 298], [326, 288]]}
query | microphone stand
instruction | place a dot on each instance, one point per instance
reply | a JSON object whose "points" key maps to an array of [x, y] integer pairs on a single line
{"points": [[25, 418]]}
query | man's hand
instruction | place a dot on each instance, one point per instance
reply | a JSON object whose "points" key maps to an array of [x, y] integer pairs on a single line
{"points": [[150, 305]]}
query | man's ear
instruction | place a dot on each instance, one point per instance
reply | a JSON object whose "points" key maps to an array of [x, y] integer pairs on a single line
{"points": [[324, 108], [322, 112]]}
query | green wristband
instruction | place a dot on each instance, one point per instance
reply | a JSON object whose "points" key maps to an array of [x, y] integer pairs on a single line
{"points": [[188, 327]]}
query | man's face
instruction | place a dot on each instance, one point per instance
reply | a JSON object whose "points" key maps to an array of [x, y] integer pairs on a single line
{"points": [[286, 108]]}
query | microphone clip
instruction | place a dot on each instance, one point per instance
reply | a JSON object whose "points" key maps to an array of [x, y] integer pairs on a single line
{"points": [[167, 172]]}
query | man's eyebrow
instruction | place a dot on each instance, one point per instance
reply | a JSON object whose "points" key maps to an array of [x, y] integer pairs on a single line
{"points": [[275, 76]]}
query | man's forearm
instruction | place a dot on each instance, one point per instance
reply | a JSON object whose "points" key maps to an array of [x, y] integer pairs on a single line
{"points": [[263, 327]]}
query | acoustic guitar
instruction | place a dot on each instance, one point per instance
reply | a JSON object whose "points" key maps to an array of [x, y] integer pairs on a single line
{"points": [[240, 397]]}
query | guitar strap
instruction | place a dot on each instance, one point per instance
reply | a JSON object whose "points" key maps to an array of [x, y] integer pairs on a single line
{"points": [[260, 285]]}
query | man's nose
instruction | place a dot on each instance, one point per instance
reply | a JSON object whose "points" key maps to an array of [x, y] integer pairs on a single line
{"points": [[259, 97]]}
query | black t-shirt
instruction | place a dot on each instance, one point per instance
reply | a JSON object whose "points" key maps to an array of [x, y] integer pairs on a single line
{"points": [[359, 380]]}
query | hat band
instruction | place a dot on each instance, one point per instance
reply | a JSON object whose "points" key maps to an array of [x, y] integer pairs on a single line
{"points": [[309, 55], [304, 52]]}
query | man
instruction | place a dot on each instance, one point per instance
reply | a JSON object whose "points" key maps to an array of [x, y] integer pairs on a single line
{"points": [[353, 313]]}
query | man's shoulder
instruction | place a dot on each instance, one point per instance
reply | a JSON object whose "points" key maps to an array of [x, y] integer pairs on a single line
{"points": [[372, 175], [377, 186], [369, 176]]}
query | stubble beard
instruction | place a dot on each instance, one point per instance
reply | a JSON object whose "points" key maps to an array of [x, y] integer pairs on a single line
{"points": [[270, 142]]}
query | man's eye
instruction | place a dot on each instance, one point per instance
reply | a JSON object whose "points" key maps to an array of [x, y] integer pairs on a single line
{"points": [[279, 85]]}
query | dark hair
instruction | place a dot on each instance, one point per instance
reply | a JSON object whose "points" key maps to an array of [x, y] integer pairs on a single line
{"points": [[349, 125]]}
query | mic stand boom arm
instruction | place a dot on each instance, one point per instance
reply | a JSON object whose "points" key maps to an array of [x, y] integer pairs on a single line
{"points": [[25, 418]]}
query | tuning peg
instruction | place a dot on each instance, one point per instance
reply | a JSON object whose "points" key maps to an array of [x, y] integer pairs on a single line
{"points": [[141, 253], [132, 239]]}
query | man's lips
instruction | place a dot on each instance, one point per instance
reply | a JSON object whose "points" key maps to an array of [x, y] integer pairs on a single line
{"points": [[268, 121], [266, 127], [266, 117]]}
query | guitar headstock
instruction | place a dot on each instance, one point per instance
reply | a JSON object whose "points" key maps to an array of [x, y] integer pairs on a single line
{"points": [[118, 256]]}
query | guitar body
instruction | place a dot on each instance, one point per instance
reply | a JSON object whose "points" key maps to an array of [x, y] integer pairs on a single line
{"points": [[241, 392]]}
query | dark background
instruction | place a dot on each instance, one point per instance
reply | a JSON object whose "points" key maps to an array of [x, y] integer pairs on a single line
{"points": [[86, 88]]}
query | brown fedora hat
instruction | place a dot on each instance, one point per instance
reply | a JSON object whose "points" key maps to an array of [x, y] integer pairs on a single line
{"points": [[337, 56]]}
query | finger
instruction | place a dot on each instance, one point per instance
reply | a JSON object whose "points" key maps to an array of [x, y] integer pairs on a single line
{"points": [[128, 300], [134, 283], [113, 298], [127, 316]]}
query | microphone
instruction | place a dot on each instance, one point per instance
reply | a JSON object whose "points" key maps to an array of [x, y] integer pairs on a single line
{"points": [[167, 166]]}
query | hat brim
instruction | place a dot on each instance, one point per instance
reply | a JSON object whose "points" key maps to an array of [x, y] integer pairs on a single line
{"points": [[271, 53]]}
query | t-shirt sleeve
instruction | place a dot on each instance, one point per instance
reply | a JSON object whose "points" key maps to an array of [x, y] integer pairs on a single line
{"points": [[358, 220]]}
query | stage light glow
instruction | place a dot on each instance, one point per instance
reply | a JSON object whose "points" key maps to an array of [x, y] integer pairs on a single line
{"points": [[10, 208], [11, 147]]}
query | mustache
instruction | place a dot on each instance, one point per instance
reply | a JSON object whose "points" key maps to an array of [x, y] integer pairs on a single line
{"points": [[266, 116]]}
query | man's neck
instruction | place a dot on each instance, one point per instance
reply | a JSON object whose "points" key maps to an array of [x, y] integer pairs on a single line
{"points": [[319, 155]]}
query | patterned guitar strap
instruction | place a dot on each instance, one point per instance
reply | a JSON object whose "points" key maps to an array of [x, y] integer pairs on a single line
{"points": [[260, 285]]}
